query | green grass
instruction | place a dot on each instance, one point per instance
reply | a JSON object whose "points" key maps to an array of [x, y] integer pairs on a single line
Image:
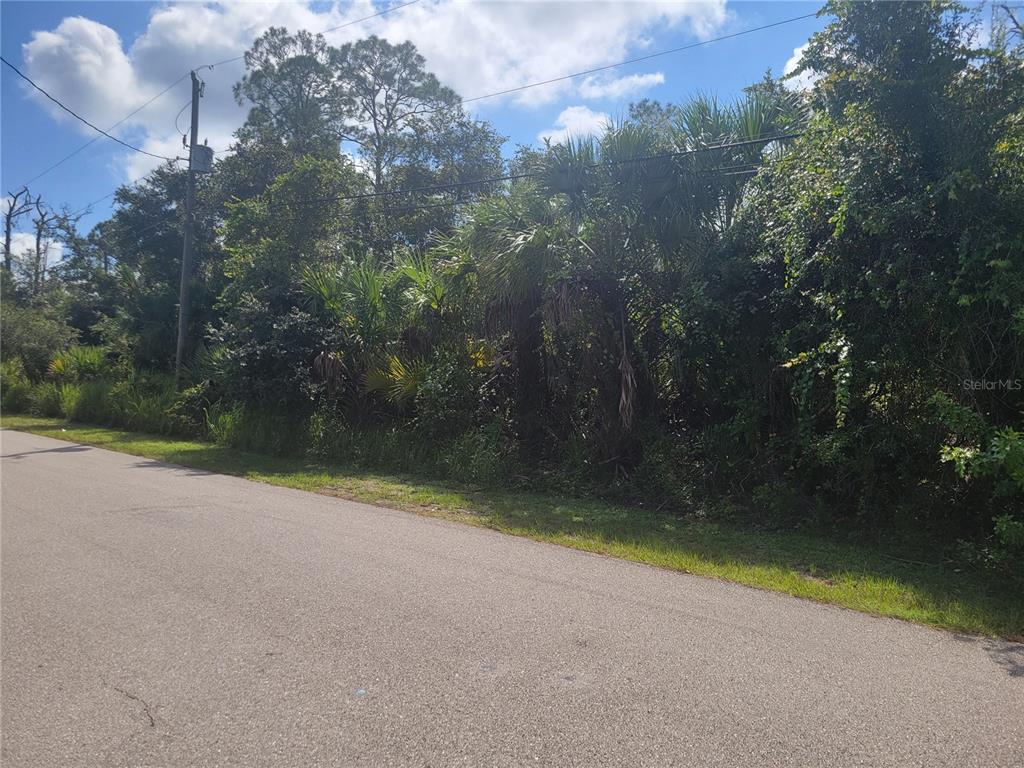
{"points": [[855, 577]]}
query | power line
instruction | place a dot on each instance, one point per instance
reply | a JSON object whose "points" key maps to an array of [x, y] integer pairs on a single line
{"points": [[178, 116], [635, 60], [77, 116], [87, 206], [94, 139]]}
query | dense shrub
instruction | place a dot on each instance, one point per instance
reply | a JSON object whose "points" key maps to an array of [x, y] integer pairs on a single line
{"points": [[143, 403], [68, 394], [270, 432], [77, 364], [90, 402], [482, 455], [46, 400], [15, 387], [446, 398], [32, 335], [190, 408]]}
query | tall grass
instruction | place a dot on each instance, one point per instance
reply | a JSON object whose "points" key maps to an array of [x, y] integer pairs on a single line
{"points": [[273, 433]]}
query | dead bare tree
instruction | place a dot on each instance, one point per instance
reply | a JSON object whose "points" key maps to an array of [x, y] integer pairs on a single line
{"points": [[16, 205], [1013, 20], [44, 222]]}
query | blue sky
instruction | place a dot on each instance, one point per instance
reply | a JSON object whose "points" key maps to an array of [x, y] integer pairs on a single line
{"points": [[104, 59]]}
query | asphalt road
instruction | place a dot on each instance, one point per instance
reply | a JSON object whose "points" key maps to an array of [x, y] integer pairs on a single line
{"points": [[154, 615]]}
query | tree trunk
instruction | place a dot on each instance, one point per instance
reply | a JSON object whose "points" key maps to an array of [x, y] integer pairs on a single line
{"points": [[36, 270], [8, 226], [532, 377]]}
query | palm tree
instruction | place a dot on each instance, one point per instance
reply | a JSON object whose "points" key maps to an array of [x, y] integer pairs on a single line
{"points": [[512, 247]]}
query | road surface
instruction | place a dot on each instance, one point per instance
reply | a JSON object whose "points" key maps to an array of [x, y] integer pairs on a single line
{"points": [[154, 615]]}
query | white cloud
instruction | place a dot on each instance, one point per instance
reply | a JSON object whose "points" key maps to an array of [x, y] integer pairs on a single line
{"points": [[603, 88], [477, 48], [574, 122], [83, 65], [23, 244], [805, 80]]}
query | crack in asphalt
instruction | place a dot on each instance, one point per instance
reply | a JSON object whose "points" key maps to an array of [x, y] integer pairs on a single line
{"points": [[145, 705]]}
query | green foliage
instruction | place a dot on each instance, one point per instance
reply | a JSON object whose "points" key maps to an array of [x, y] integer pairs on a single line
{"points": [[483, 455], [78, 364], [999, 466], [400, 382], [90, 404], [68, 395], [32, 334], [447, 398], [1002, 551], [143, 403], [45, 400], [15, 387], [274, 433], [190, 408]]}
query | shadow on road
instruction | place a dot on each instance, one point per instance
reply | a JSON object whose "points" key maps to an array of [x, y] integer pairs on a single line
{"points": [[62, 449], [1009, 656], [154, 464]]}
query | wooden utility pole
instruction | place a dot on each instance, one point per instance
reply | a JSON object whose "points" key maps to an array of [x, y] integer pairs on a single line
{"points": [[190, 232]]}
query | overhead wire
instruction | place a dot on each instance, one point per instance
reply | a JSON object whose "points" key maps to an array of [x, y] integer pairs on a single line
{"points": [[77, 116], [178, 116], [636, 60], [94, 139], [88, 206]]}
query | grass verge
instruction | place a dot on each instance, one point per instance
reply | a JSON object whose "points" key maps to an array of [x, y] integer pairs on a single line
{"points": [[841, 574]]}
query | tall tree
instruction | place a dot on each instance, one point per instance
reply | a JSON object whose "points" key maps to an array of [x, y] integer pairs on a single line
{"points": [[389, 95], [291, 82]]}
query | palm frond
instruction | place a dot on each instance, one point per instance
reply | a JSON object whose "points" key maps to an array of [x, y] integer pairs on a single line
{"points": [[397, 380]]}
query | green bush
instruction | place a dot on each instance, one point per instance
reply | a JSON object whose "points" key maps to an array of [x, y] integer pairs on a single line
{"points": [[222, 423], [1002, 552], [69, 395], [15, 388], [257, 431], [31, 334], [45, 400], [1009, 550], [143, 403], [446, 399], [481, 455], [91, 403], [188, 412], [393, 449], [667, 474], [78, 364]]}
